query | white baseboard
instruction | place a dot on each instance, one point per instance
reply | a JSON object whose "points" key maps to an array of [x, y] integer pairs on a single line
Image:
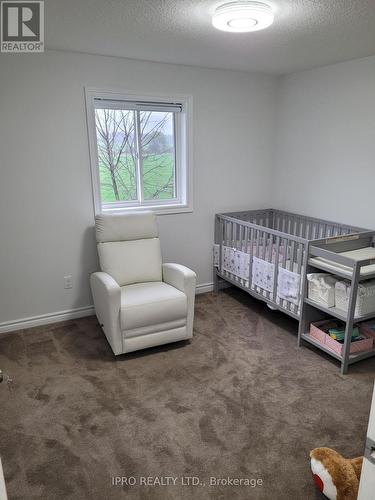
{"points": [[204, 288], [56, 317], [45, 319]]}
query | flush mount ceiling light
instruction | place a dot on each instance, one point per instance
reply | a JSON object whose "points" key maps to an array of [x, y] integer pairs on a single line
{"points": [[242, 16]]}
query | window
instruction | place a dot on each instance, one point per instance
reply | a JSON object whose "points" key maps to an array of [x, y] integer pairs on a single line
{"points": [[139, 153]]}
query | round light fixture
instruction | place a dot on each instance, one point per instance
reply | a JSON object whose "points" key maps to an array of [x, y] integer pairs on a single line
{"points": [[243, 16]]}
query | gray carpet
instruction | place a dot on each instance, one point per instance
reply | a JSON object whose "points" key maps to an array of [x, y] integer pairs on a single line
{"points": [[240, 401]]}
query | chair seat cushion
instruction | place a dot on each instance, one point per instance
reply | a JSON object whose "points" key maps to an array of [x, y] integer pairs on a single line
{"points": [[151, 303]]}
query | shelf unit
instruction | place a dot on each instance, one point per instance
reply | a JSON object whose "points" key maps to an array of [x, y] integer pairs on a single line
{"points": [[330, 249]]}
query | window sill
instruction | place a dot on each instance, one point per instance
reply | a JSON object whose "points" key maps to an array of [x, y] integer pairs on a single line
{"points": [[157, 209]]}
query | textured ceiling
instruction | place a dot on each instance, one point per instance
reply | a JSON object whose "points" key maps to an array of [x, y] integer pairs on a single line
{"points": [[306, 33]]}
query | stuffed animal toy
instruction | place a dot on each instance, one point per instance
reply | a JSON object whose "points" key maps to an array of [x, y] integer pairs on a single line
{"points": [[335, 476]]}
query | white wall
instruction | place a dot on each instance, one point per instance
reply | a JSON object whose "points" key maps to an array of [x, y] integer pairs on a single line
{"points": [[324, 161], [46, 209]]}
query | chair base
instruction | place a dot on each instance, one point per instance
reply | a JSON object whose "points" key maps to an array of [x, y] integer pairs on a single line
{"points": [[153, 339]]}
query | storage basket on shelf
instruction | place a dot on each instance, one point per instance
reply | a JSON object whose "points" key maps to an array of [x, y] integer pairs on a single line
{"points": [[322, 288], [365, 303], [319, 329], [317, 332]]}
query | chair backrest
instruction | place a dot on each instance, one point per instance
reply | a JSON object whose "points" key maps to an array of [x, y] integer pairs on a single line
{"points": [[129, 247]]}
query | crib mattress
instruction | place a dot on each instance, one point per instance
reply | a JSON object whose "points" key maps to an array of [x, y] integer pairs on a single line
{"points": [[360, 254]]}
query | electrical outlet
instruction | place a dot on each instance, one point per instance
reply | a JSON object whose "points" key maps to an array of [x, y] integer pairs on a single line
{"points": [[68, 281]]}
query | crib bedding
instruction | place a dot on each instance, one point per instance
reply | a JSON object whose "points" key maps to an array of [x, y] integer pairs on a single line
{"points": [[237, 264], [257, 250], [357, 255]]}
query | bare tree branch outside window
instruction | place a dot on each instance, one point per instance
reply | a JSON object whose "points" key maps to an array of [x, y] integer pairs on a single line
{"points": [[118, 154]]}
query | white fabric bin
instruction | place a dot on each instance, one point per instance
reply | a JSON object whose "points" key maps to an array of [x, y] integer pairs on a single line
{"points": [[365, 303], [322, 288]]}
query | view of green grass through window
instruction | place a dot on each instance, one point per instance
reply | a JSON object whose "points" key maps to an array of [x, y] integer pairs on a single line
{"points": [[136, 154]]}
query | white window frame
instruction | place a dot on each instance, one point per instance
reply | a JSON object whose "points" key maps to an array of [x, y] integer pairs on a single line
{"points": [[183, 153]]}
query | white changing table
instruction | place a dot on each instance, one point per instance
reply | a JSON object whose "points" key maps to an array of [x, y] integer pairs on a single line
{"points": [[356, 255]]}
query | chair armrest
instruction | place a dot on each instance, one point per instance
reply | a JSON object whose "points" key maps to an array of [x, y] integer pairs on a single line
{"points": [[106, 284], [180, 277], [107, 301], [184, 279]]}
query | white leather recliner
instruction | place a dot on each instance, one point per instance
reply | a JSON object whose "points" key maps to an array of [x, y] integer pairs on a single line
{"points": [[139, 301]]}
